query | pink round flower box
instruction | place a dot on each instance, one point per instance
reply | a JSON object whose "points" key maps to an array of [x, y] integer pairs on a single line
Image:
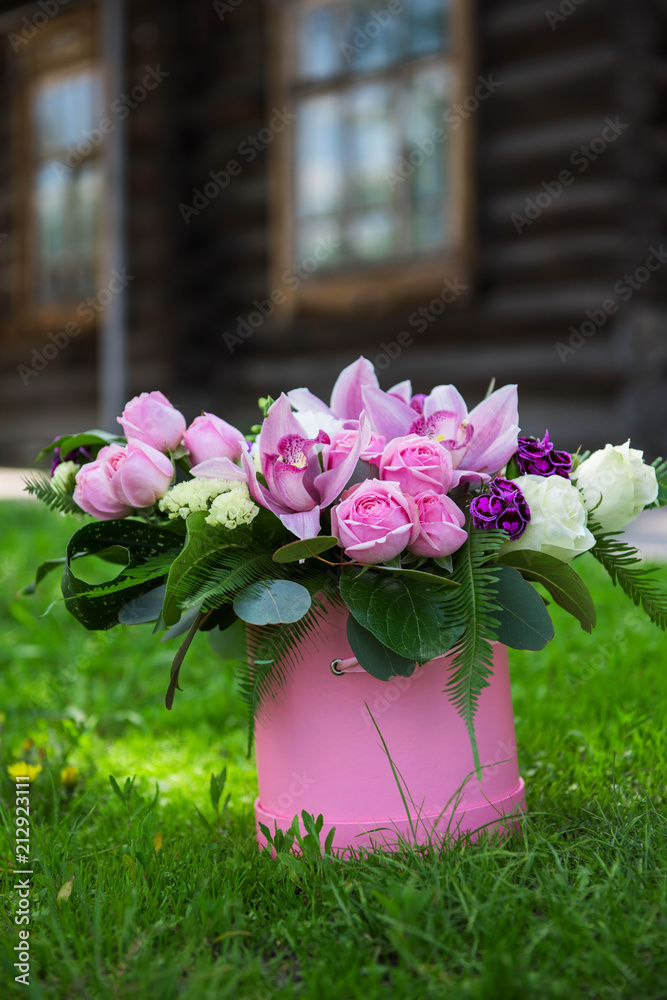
{"points": [[318, 750]]}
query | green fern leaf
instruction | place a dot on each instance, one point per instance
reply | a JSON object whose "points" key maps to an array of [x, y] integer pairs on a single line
{"points": [[660, 466], [41, 486], [622, 562], [473, 602]]}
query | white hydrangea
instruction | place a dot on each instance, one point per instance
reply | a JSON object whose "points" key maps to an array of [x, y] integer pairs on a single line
{"points": [[63, 476], [195, 494], [233, 508]]}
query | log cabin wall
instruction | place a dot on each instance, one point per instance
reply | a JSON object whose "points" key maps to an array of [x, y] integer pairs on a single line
{"points": [[562, 75]]}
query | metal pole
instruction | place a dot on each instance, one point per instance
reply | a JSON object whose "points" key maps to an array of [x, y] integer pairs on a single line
{"points": [[112, 376]]}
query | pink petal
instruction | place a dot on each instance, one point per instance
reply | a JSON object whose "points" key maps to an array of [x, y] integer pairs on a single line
{"points": [[403, 390], [329, 484], [259, 492], [446, 397], [304, 524], [495, 424], [388, 416], [286, 484], [219, 468], [303, 399], [279, 422], [346, 398]]}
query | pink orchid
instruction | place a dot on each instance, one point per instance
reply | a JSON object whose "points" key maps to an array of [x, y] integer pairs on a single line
{"points": [[296, 487], [480, 442], [346, 397]]}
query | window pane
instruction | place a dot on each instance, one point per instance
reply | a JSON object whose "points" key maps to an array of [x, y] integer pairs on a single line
{"points": [[428, 26], [374, 143], [375, 36], [66, 231], [318, 174], [65, 108], [320, 37], [372, 234], [425, 122], [320, 238]]}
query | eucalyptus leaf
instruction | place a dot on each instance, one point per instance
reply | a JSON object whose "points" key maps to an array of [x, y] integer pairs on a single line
{"points": [[272, 602], [524, 621], [144, 608], [376, 658], [559, 579], [304, 549]]}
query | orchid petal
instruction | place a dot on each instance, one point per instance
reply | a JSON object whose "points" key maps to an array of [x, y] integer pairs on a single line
{"points": [[403, 390], [279, 422], [445, 397], [286, 483], [259, 492], [388, 416], [467, 476], [329, 484], [346, 397], [304, 399], [495, 423], [219, 468], [304, 524]]}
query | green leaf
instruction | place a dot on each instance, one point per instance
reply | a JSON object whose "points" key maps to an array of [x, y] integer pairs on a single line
{"points": [[473, 604], [418, 574], [406, 615], [660, 466], [69, 442], [99, 607], [272, 602], [178, 662], [524, 622], [559, 579], [42, 571], [376, 658], [622, 562], [304, 549]]}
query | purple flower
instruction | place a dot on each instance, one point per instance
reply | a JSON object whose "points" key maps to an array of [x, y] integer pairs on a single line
{"points": [[504, 507], [538, 458], [79, 455]]}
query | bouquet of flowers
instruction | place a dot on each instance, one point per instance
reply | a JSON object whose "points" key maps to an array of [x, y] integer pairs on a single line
{"points": [[431, 524]]}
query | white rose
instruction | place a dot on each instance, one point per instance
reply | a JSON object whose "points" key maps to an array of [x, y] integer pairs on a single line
{"points": [[558, 517], [617, 479]]}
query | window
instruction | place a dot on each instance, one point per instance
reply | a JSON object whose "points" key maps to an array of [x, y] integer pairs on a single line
{"points": [[59, 97], [371, 169]]}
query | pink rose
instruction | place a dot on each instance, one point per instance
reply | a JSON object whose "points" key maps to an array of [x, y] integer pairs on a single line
{"points": [[94, 491], [418, 464], [210, 437], [375, 521], [343, 443], [152, 419], [143, 476], [441, 525], [122, 479]]}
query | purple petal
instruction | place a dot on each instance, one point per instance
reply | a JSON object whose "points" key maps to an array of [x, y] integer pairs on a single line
{"points": [[403, 390], [346, 398], [259, 492], [286, 484], [388, 416], [495, 423]]}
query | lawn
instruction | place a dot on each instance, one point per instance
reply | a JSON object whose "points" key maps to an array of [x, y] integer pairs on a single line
{"points": [[575, 906]]}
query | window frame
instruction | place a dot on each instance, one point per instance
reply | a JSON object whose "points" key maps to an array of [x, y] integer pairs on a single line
{"points": [[372, 286], [39, 61]]}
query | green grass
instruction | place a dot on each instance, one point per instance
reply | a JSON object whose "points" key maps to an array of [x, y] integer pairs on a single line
{"points": [[575, 906]]}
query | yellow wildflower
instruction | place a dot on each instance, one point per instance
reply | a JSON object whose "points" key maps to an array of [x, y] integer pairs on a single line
{"points": [[23, 770], [69, 776]]}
